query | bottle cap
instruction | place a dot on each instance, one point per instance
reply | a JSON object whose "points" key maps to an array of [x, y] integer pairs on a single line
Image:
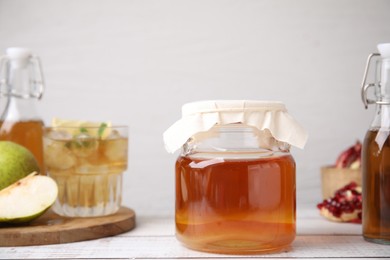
{"points": [[19, 57], [384, 50]]}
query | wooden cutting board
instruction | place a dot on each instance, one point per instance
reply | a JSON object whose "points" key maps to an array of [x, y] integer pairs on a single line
{"points": [[51, 228]]}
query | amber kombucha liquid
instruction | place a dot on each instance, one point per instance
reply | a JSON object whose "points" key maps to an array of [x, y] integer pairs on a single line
{"points": [[26, 133], [376, 186], [235, 205]]}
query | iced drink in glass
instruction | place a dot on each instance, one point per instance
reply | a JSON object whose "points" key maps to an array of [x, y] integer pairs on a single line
{"points": [[87, 163]]}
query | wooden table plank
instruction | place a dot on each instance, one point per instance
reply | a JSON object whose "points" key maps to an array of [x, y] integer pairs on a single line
{"points": [[153, 238], [167, 247]]}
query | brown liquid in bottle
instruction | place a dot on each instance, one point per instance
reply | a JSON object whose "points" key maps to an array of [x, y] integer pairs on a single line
{"points": [[376, 186], [235, 206], [26, 133]]}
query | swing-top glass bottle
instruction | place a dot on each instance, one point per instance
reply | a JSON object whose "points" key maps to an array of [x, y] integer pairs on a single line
{"points": [[21, 85], [376, 153]]}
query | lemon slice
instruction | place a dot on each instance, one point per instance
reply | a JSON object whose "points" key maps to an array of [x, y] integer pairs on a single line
{"points": [[76, 127]]}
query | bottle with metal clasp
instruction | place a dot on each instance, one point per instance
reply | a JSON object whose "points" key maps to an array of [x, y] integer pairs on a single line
{"points": [[21, 85], [376, 152]]}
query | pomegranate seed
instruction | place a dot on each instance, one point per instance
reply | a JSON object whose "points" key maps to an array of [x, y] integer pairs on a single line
{"points": [[347, 200]]}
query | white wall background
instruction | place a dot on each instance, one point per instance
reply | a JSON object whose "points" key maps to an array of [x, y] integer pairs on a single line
{"points": [[137, 62]]}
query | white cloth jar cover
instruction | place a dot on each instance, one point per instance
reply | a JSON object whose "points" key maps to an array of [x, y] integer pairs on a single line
{"points": [[201, 116]]}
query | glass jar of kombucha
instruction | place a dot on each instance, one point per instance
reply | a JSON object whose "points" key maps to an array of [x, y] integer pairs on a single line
{"points": [[376, 153], [21, 85], [235, 176]]}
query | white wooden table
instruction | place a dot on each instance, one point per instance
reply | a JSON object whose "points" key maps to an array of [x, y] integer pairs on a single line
{"points": [[153, 238]]}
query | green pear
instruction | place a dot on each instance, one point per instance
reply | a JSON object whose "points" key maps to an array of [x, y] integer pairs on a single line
{"points": [[27, 198], [16, 162]]}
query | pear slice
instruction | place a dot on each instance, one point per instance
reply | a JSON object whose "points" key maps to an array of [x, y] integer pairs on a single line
{"points": [[27, 198]]}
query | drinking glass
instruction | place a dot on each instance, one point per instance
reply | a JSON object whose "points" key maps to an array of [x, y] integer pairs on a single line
{"points": [[87, 163]]}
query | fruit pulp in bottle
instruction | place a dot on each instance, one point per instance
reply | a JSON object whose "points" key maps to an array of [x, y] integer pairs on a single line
{"points": [[235, 206], [26, 133], [376, 186]]}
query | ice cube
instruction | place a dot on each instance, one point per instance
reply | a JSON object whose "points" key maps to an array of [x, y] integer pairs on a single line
{"points": [[59, 135], [114, 134], [58, 157], [83, 145], [87, 168], [116, 149]]}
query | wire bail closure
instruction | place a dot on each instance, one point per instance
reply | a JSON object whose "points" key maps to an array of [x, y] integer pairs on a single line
{"points": [[37, 85], [365, 87]]}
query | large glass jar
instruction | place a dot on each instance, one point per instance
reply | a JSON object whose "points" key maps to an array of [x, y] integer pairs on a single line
{"points": [[235, 187]]}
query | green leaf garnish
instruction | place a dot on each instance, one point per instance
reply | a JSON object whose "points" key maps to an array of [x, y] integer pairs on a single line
{"points": [[83, 130], [101, 129]]}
